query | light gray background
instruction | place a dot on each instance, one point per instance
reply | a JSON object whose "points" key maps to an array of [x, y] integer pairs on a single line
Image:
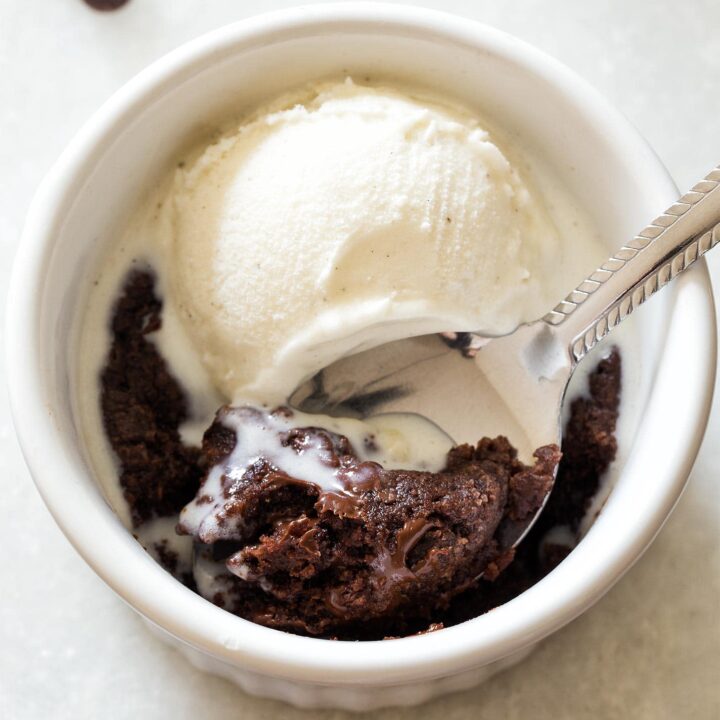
{"points": [[70, 649]]}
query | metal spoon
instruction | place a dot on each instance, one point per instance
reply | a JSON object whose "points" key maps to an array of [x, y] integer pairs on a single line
{"points": [[522, 376]]}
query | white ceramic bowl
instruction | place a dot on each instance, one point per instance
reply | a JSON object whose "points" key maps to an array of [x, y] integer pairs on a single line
{"points": [[137, 133]]}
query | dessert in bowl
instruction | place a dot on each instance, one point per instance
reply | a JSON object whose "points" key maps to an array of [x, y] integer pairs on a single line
{"points": [[578, 155]]}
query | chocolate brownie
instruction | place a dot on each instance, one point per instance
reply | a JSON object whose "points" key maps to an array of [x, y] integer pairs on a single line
{"points": [[588, 446], [143, 407], [358, 564], [379, 550]]}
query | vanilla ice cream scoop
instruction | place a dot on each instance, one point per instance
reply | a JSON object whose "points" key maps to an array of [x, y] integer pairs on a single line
{"points": [[355, 217]]}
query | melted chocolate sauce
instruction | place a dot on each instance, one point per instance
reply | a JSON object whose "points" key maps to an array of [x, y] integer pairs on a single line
{"points": [[393, 566], [299, 529]]}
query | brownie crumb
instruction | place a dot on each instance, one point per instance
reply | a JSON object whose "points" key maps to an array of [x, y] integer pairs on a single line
{"points": [[167, 557], [143, 407], [173, 563]]}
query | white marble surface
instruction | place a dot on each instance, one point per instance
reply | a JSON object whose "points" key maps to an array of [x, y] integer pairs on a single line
{"points": [[70, 649]]}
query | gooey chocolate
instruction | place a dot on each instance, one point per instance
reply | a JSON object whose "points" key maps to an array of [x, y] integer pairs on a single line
{"points": [[325, 541]]}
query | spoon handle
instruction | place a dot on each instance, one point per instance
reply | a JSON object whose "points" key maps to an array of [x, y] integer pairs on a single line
{"points": [[668, 245]]}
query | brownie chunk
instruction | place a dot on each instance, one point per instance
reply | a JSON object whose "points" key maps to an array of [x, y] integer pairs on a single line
{"points": [[588, 446], [362, 547], [143, 407]]}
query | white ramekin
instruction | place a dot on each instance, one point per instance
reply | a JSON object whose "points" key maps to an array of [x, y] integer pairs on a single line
{"points": [[138, 131]]}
